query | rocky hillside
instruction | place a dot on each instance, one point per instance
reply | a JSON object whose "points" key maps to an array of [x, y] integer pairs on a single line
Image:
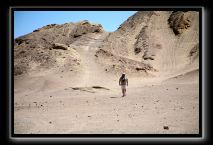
{"points": [[48, 47], [160, 40], [146, 43]]}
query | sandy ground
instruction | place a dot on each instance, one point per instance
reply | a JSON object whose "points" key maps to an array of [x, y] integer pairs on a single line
{"points": [[146, 109], [67, 103]]}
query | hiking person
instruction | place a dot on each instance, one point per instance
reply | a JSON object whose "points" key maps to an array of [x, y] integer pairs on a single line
{"points": [[123, 82]]}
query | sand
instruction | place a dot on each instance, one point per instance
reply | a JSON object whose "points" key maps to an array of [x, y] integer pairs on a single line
{"points": [[147, 108]]}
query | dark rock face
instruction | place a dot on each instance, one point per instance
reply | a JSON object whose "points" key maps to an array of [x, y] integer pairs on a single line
{"points": [[180, 21]]}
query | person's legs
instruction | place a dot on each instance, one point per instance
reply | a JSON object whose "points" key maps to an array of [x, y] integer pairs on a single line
{"points": [[124, 87], [123, 91]]}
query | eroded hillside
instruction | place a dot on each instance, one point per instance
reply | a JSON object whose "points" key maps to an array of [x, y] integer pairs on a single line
{"points": [[162, 40]]}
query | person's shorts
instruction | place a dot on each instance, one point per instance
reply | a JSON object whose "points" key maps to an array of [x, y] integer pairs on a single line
{"points": [[123, 87]]}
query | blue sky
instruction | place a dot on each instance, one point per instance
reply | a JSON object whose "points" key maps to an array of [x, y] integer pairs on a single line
{"points": [[27, 21]]}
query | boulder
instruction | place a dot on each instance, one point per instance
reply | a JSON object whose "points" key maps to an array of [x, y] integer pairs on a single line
{"points": [[60, 46]]}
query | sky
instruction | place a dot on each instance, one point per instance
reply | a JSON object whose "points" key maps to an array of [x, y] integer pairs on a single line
{"points": [[27, 21]]}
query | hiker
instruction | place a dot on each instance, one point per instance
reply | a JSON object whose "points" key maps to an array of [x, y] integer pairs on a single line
{"points": [[123, 82]]}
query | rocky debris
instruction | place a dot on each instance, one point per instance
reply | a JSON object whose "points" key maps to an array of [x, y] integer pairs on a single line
{"points": [[194, 50], [45, 27], [19, 41], [180, 21], [145, 57], [166, 127], [138, 69], [36, 30], [194, 54], [86, 27], [60, 46], [20, 69], [137, 50], [103, 52]]}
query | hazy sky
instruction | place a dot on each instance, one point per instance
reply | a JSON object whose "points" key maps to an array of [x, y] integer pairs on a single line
{"points": [[27, 21]]}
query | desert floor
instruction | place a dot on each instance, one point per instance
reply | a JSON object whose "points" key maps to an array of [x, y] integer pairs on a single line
{"points": [[147, 108]]}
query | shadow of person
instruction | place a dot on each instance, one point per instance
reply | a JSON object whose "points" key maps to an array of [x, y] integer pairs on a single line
{"points": [[115, 97]]}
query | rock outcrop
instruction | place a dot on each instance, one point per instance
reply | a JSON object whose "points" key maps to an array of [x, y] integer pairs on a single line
{"points": [[59, 46], [179, 21]]}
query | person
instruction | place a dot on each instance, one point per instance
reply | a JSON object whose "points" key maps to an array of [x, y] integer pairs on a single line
{"points": [[123, 82]]}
